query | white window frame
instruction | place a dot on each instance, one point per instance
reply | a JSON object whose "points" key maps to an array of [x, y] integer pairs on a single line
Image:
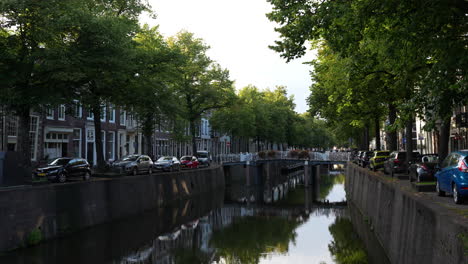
{"points": [[80, 141], [50, 113], [123, 114], [61, 112], [90, 115], [103, 113], [112, 113], [113, 145], [35, 137], [77, 109]]}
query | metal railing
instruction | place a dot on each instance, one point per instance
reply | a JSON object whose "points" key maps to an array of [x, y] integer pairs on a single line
{"points": [[316, 156]]}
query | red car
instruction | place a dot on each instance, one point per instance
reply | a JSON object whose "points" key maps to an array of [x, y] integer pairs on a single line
{"points": [[189, 162]]}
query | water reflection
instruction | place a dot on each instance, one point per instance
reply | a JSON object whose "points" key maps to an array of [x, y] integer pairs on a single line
{"points": [[304, 225]]}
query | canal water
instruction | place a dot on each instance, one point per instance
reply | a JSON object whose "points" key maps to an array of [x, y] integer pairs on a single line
{"points": [[292, 224]]}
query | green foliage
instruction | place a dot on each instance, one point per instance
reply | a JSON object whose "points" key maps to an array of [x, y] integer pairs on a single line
{"points": [[34, 237], [378, 55], [346, 246], [247, 239], [202, 85], [269, 116]]}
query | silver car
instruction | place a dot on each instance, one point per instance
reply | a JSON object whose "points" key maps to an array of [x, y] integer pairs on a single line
{"points": [[134, 164], [167, 163]]}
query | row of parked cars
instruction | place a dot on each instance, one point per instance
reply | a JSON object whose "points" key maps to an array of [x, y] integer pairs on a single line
{"points": [[450, 174], [60, 169]]}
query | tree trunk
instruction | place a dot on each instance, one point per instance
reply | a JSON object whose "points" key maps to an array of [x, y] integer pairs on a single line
{"points": [[24, 143], [444, 138], [377, 133], [409, 140], [193, 135], [392, 135], [365, 138], [101, 164]]}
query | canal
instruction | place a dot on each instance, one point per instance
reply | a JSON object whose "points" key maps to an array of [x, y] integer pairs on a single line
{"points": [[290, 224]]}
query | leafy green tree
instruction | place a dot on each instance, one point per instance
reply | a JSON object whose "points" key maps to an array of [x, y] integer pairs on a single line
{"points": [[32, 33], [150, 95], [101, 54], [415, 49], [203, 85]]}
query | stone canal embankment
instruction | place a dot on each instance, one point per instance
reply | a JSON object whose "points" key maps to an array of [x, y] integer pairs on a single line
{"points": [[411, 227], [31, 214]]}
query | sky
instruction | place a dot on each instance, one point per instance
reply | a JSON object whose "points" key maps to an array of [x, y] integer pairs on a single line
{"points": [[238, 33]]}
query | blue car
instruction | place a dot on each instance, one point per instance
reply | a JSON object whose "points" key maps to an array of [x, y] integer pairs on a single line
{"points": [[452, 177]]}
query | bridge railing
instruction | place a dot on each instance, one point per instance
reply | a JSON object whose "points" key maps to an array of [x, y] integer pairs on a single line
{"points": [[313, 155]]}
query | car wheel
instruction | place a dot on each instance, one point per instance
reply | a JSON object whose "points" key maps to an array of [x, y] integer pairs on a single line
{"points": [[134, 172], [61, 177], [86, 176], [438, 190], [150, 171], [456, 195]]}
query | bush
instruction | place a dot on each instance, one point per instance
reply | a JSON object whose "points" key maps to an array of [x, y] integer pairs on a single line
{"points": [[304, 154], [272, 154], [34, 238], [262, 154], [293, 153]]}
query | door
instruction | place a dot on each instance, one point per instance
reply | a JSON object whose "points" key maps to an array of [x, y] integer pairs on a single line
{"points": [[90, 153], [445, 173]]}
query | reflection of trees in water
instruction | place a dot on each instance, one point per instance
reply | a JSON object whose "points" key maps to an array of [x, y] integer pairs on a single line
{"points": [[346, 247], [246, 240], [327, 182]]}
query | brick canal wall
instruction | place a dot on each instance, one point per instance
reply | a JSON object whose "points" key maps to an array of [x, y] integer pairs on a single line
{"points": [[43, 212], [411, 228]]}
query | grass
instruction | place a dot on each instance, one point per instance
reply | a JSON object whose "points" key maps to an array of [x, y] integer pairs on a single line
{"points": [[425, 183], [464, 239]]}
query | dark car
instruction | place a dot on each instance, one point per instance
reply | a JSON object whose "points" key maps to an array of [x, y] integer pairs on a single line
{"points": [[396, 163], [167, 163], [452, 176], [424, 169], [189, 162], [60, 169], [359, 157], [203, 158], [134, 164], [366, 155]]}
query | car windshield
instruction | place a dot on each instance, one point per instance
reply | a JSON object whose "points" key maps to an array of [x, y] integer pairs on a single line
{"points": [[130, 158], [383, 153], [186, 158], [202, 155], [60, 162], [165, 158]]}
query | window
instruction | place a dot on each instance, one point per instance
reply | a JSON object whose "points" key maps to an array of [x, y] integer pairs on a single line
{"points": [[90, 135], [76, 151], [110, 145], [50, 113], [103, 113], [33, 132], [12, 126], [77, 109], [123, 117], [90, 115], [61, 112], [111, 113]]}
